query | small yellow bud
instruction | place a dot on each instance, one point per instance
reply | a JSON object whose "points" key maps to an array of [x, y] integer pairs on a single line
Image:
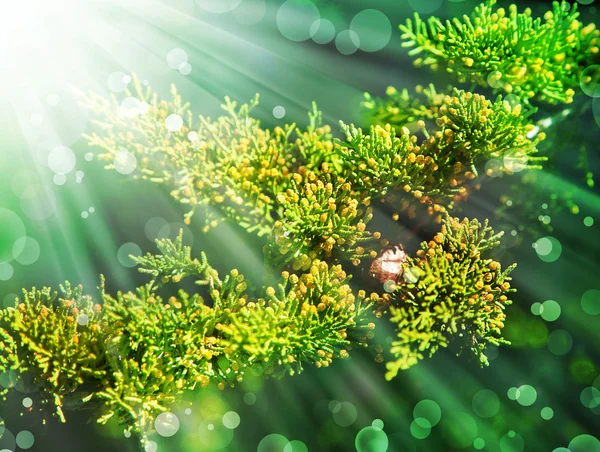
{"points": [[588, 29]]}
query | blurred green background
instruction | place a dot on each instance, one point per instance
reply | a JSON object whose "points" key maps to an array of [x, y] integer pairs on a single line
{"points": [[540, 394]]}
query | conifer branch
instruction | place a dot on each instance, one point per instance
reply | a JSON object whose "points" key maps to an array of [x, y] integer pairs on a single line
{"points": [[311, 195], [249, 174], [508, 51], [320, 213], [134, 354], [451, 292], [402, 108], [469, 130]]}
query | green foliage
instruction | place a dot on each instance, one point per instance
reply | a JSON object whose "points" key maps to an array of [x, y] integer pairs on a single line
{"points": [[42, 339], [155, 351], [311, 195], [474, 129], [308, 319], [470, 131], [319, 213], [257, 178], [135, 353], [382, 160], [230, 166], [401, 108], [450, 291], [510, 52], [230, 163]]}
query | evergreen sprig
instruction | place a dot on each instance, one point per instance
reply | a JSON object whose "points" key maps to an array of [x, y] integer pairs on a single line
{"points": [[320, 214], [467, 131], [451, 291], [134, 354], [230, 166], [311, 195], [508, 51], [229, 163], [247, 174], [42, 338], [401, 108]]}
